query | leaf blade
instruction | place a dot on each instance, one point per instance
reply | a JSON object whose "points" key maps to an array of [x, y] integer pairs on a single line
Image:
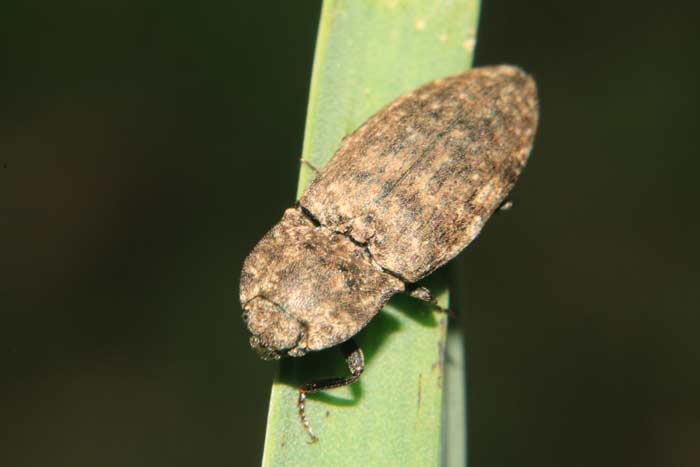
{"points": [[367, 54]]}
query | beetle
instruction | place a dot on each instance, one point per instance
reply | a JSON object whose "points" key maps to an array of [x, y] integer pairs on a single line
{"points": [[403, 195]]}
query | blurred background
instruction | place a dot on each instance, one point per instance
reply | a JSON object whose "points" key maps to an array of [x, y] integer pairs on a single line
{"points": [[146, 146]]}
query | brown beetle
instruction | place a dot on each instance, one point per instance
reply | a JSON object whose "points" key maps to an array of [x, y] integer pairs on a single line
{"points": [[404, 194]]}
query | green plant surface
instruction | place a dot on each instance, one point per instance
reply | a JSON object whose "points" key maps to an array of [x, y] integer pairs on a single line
{"points": [[368, 53]]}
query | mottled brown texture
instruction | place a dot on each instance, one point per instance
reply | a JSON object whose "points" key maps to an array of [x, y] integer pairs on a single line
{"points": [[420, 178], [305, 287], [403, 195]]}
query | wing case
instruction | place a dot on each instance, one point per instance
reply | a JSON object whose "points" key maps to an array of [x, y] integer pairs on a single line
{"points": [[419, 179]]}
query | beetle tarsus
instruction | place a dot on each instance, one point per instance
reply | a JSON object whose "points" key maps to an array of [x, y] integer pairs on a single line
{"points": [[302, 414]]}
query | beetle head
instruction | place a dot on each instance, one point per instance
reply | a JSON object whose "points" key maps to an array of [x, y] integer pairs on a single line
{"points": [[273, 330]]}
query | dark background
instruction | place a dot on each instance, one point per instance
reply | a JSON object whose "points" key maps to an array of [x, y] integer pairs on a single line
{"points": [[144, 148]]}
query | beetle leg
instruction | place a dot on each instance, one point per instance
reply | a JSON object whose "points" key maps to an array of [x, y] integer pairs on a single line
{"points": [[505, 205], [310, 165], [355, 360], [425, 295]]}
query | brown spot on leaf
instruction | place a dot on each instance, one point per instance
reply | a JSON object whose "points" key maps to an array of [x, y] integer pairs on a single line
{"points": [[420, 391]]}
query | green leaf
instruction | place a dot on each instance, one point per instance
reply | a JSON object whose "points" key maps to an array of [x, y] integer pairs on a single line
{"points": [[368, 53]]}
